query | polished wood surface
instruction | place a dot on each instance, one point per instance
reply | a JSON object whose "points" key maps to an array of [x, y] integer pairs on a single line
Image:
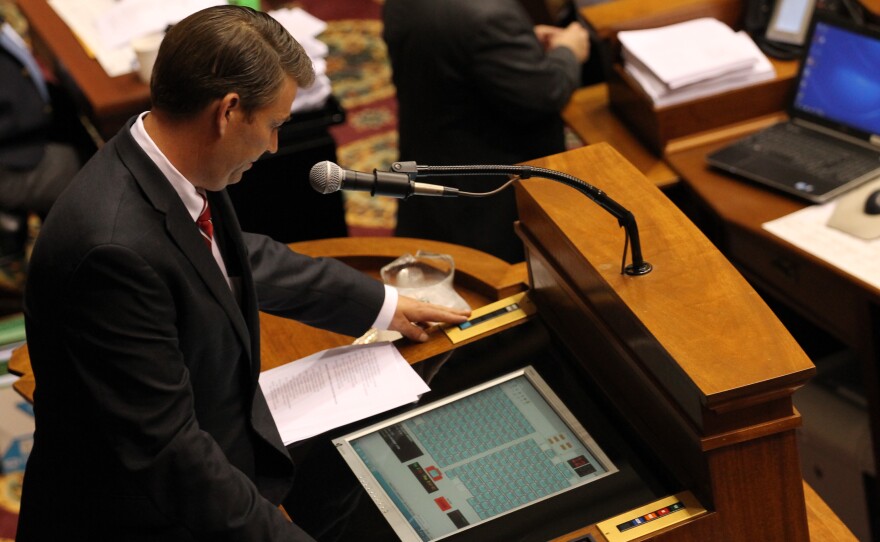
{"points": [[692, 291], [480, 279], [689, 354], [20, 364], [589, 115], [872, 7], [824, 293], [824, 525], [732, 211], [606, 19], [108, 101], [657, 126]]}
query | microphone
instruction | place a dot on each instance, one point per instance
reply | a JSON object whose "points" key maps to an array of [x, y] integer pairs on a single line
{"points": [[326, 177]]}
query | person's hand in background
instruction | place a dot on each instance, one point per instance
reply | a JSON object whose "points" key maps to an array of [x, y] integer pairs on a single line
{"points": [[574, 37]]}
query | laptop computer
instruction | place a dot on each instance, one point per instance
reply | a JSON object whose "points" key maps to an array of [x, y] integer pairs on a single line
{"points": [[831, 142]]}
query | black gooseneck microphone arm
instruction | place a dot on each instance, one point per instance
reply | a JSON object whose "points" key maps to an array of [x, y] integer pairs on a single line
{"points": [[624, 217]]}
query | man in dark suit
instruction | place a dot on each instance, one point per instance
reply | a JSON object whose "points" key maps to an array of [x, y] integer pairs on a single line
{"points": [[477, 83], [142, 320]]}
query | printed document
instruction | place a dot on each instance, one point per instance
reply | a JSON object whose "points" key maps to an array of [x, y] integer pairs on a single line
{"points": [[338, 386]]}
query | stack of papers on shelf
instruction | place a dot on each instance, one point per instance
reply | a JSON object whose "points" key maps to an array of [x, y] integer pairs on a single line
{"points": [[305, 28], [338, 386], [689, 60]]}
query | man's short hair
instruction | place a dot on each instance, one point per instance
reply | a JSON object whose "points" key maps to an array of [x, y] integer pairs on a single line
{"points": [[225, 49]]}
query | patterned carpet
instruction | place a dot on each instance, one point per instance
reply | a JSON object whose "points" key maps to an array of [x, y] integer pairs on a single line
{"points": [[359, 71]]}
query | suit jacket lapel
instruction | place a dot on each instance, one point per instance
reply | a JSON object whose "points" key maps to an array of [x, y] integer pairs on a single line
{"points": [[228, 233], [182, 229]]}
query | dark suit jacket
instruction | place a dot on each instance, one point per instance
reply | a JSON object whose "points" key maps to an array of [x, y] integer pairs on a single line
{"points": [[149, 420], [474, 86]]}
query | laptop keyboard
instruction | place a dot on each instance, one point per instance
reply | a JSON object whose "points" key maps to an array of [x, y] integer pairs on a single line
{"points": [[816, 154]]}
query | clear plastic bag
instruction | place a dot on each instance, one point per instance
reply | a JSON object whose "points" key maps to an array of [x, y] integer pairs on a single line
{"points": [[427, 276]]}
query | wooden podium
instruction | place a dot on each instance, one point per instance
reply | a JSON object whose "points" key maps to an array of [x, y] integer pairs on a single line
{"points": [[688, 355]]}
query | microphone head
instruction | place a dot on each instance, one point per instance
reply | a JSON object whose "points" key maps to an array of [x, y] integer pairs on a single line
{"points": [[325, 177]]}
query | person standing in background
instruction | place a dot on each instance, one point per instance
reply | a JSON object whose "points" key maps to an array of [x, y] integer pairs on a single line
{"points": [[477, 83]]}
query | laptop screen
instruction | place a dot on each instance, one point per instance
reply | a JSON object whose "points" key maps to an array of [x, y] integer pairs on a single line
{"points": [[475, 456], [839, 80]]}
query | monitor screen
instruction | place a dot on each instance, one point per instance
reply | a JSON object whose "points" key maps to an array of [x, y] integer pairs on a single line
{"points": [[472, 457], [839, 81]]}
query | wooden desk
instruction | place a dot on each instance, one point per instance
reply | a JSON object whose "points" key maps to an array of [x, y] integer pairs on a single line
{"points": [[823, 524], [606, 19], [697, 311], [589, 116], [732, 211], [106, 101], [479, 278]]}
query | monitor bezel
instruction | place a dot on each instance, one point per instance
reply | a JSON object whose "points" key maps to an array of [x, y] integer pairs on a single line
{"points": [[856, 134], [383, 501]]}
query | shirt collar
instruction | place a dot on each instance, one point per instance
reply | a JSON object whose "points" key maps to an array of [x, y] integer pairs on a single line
{"points": [[188, 193]]}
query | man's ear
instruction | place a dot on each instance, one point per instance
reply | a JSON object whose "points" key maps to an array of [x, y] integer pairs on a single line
{"points": [[228, 110]]}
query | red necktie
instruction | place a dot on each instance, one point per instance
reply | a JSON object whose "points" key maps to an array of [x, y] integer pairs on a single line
{"points": [[204, 222]]}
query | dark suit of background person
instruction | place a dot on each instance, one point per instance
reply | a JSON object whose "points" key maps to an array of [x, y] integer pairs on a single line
{"points": [[150, 424], [33, 169], [474, 86]]}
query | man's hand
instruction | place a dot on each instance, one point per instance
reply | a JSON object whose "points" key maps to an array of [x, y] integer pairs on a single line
{"points": [[410, 313], [574, 36]]}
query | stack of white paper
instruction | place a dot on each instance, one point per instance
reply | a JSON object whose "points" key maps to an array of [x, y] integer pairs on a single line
{"points": [[338, 386], [305, 28], [692, 59]]}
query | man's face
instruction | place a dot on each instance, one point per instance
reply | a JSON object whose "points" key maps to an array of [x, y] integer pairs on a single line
{"points": [[247, 138]]}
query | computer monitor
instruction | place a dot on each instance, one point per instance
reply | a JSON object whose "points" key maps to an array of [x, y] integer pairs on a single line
{"points": [[473, 457]]}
